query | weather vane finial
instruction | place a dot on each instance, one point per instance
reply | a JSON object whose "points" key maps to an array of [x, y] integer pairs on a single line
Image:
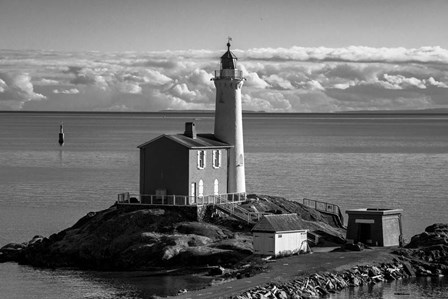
{"points": [[229, 39]]}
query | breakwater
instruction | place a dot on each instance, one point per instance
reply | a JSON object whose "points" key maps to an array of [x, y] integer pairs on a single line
{"points": [[425, 256], [322, 284]]}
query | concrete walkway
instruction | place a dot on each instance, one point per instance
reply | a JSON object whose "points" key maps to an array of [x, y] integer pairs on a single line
{"points": [[285, 269]]}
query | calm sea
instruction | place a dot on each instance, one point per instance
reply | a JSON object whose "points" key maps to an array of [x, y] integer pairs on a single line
{"points": [[352, 160]]}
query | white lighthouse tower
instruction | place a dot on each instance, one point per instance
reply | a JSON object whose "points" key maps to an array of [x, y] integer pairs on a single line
{"points": [[228, 118]]}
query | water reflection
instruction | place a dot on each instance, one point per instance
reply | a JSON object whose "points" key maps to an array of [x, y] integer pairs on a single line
{"points": [[27, 282], [421, 287]]}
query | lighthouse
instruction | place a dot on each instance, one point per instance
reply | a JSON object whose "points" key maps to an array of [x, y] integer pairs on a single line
{"points": [[228, 118]]}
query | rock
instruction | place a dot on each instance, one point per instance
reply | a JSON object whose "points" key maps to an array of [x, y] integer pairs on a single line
{"points": [[36, 239], [408, 269], [374, 271], [354, 247], [437, 228], [217, 271], [126, 239], [11, 252], [204, 229], [436, 234], [282, 295], [431, 260]]}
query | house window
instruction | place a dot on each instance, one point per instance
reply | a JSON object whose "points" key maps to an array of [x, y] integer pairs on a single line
{"points": [[193, 190], [216, 158], [201, 188], [201, 159], [216, 187]]}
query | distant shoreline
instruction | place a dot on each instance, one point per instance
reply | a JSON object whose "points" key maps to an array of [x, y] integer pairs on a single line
{"points": [[430, 112]]}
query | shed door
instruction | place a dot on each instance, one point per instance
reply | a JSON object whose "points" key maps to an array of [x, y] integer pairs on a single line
{"points": [[270, 244], [264, 243], [365, 233]]}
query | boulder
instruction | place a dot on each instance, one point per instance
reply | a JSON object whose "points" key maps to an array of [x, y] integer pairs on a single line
{"points": [[11, 252], [433, 235], [218, 270]]}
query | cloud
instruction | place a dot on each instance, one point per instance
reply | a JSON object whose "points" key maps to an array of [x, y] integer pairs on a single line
{"points": [[351, 54], [45, 81], [66, 91], [401, 82], [16, 90], [278, 82], [431, 81], [295, 79], [312, 85], [3, 86]]}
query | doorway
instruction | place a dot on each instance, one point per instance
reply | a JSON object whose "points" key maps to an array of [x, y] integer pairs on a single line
{"points": [[365, 233]]}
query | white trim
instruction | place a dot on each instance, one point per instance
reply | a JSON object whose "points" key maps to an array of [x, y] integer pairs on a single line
{"points": [[201, 188], [203, 160], [216, 187], [219, 153]]}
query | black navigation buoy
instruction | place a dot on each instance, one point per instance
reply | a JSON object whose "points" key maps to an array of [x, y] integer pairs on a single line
{"points": [[61, 135]]}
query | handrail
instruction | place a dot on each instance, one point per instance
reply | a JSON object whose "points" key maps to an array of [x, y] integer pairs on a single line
{"points": [[228, 73], [241, 214], [326, 208], [179, 200], [322, 206]]}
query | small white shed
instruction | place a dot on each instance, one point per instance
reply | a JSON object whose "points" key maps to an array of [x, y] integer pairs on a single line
{"points": [[280, 234]]}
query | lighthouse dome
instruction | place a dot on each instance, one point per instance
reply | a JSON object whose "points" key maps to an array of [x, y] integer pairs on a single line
{"points": [[228, 60]]}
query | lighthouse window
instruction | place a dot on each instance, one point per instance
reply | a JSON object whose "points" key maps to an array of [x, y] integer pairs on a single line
{"points": [[201, 159], [216, 158]]}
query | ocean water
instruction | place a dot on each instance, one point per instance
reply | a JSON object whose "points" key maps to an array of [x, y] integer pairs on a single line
{"points": [[352, 160]]}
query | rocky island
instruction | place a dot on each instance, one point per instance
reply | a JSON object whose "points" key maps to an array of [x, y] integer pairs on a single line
{"points": [[169, 240], [137, 238]]}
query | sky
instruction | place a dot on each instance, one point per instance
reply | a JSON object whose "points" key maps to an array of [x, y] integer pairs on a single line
{"points": [[296, 56]]}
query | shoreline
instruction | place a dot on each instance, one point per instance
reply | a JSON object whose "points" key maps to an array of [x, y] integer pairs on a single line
{"points": [[164, 239], [287, 269]]}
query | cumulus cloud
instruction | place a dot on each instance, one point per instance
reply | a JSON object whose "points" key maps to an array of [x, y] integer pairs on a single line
{"points": [[401, 82], [431, 81], [351, 54], [3, 86], [45, 81], [295, 79], [66, 91], [278, 82], [16, 90]]}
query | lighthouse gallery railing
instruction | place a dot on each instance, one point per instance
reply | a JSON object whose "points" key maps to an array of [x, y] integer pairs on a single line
{"points": [[228, 73]]}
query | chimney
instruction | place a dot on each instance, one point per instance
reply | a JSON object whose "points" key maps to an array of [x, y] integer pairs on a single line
{"points": [[190, 130]]}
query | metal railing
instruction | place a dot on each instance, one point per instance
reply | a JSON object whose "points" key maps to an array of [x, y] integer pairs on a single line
{"points": [[322, 206], [240, 213], [180, 200], [326, 208], [228, 73]]}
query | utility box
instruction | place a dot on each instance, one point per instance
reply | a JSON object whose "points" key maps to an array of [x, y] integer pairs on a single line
{"points": [[375, 227]]}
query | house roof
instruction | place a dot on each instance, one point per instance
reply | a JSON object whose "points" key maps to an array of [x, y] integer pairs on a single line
{"points": [[201, 141], [279, 223]]}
